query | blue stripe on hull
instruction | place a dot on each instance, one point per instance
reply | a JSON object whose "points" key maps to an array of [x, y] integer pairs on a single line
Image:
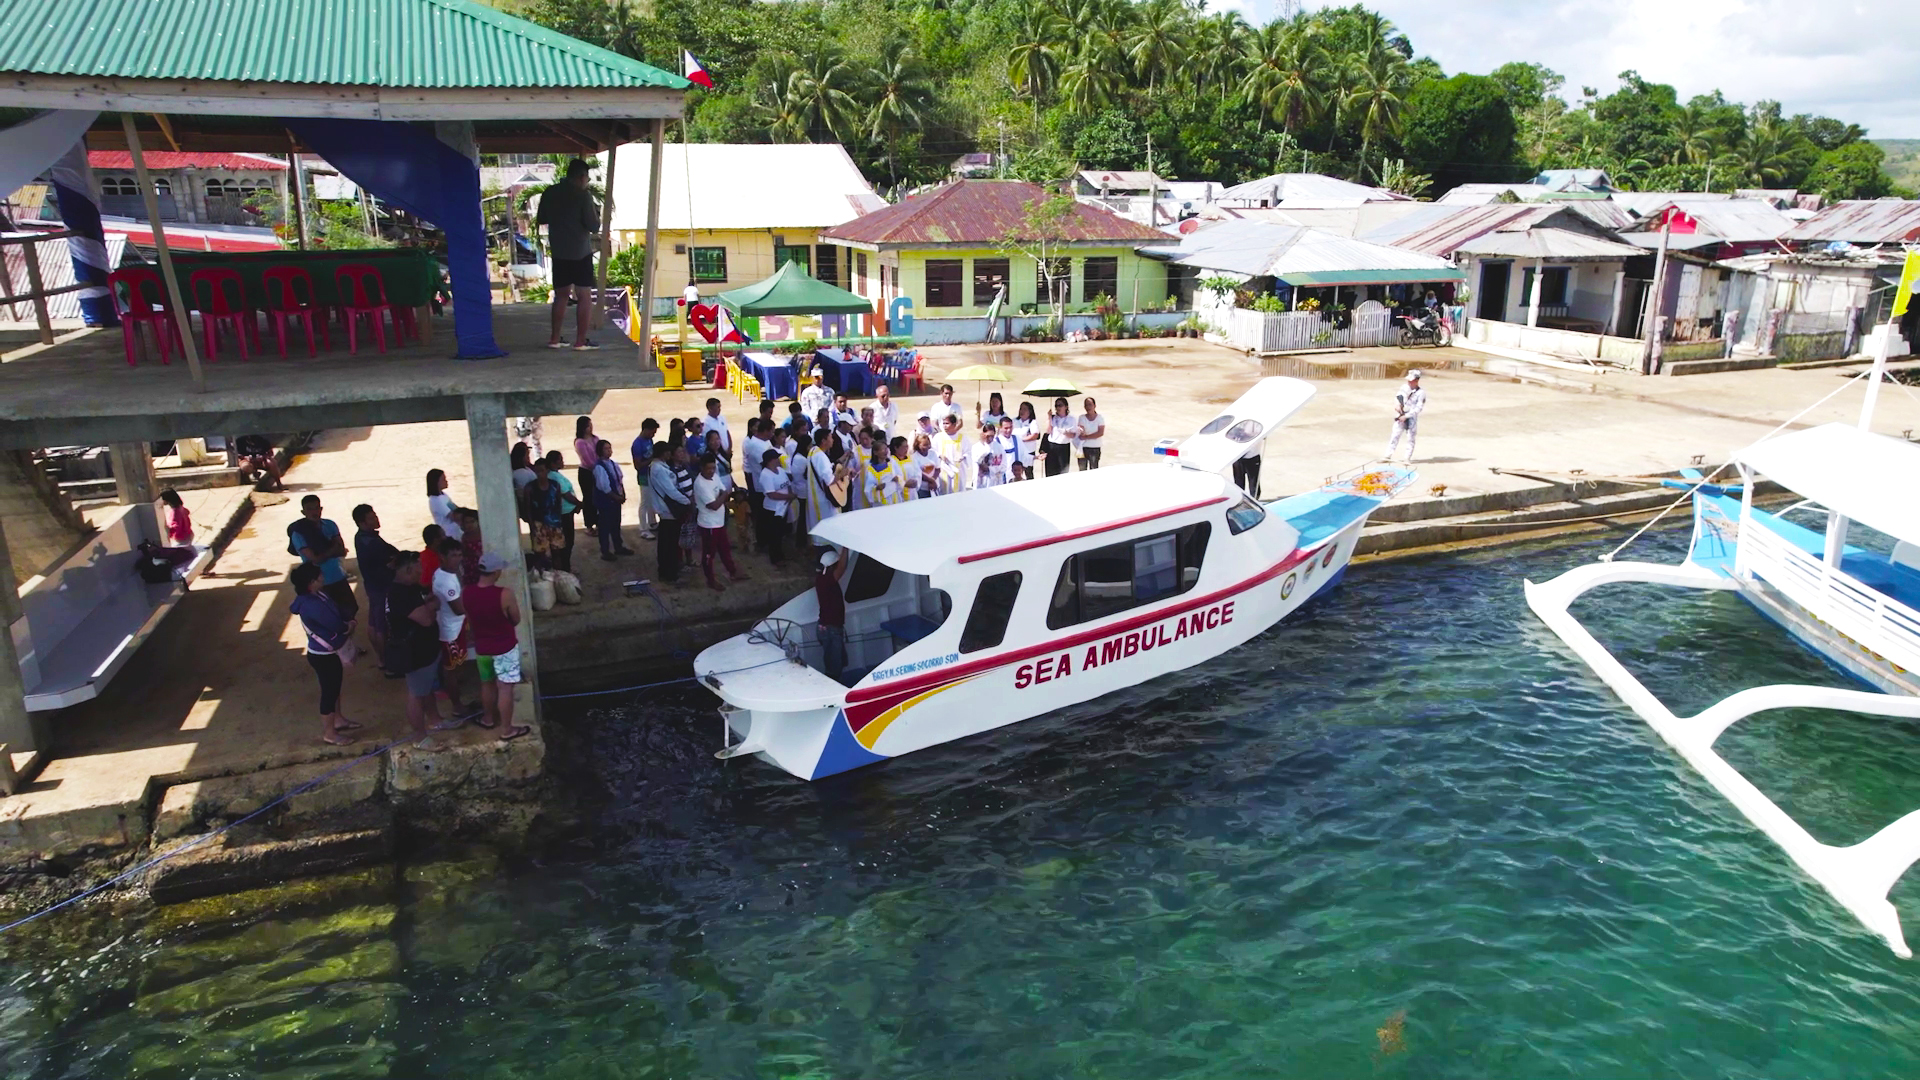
{"points": [[842, 751]]}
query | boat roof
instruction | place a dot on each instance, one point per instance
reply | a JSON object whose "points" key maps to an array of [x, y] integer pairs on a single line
{"points": [[1872, 479], [925, 534]]}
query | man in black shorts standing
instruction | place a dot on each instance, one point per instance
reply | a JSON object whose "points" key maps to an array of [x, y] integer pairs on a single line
{"points": [[572, 220]]}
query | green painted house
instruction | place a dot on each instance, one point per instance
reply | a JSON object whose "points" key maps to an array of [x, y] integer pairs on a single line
{"points": [[948, 250]]}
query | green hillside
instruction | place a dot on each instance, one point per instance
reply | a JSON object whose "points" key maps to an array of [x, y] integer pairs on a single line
{"points": [[1903, 161]]}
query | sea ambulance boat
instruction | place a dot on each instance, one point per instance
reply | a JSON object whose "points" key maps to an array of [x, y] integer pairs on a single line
{"points": [[1855, 604], [975, 610]]}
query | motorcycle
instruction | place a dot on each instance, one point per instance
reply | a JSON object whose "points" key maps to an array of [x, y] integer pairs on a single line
{"points": [[1423, 329]]}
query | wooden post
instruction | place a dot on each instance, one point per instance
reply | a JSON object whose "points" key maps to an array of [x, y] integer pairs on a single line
{"points": [[606, 237], [297, 177], [37, 286], [1650, 353], [651, 259], [167, 274]]}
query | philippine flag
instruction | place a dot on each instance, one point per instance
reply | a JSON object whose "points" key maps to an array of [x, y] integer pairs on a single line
{"points": [[694, 72]]}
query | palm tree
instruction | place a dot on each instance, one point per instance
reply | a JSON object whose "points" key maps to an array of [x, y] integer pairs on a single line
{"points": [[1695, 136], [1376, 75], [1033, 64], [1091, 84], [1286, 72], [1769, 148], [1158, 41], [1220, 44], [817, 94], [900, 95]]}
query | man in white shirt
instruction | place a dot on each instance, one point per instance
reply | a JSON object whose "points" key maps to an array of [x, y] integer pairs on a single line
{"points": [[450, 619], [1009, 446], [1408, 404], [946, 406], [816, 395], [710, 516], [820, 474], [716, 422], [755, 447], [885, 413], [950, 446], [664, 489], [776, 505]]}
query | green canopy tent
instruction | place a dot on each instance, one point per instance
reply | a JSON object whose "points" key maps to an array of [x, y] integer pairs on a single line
{"points": [[792, 291]]}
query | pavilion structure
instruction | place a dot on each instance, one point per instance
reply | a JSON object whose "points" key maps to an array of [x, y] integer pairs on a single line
{"points": [[401, 95]]}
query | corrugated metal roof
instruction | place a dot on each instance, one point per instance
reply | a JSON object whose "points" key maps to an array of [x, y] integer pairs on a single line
{"points": [[389, 43], [1734, 221], [983, 212], [1547, 243], [1257, 248], [1444, 234], [743, 186], [1305, 190], [1875, 221], [169, 159], [1480, 194]]}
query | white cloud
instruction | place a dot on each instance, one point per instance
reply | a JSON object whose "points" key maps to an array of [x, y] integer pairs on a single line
{"points": [[1857, 62]]}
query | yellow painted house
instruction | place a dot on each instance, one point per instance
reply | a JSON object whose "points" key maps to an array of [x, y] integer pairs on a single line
{"points": [[731, 213], [946, 250]]}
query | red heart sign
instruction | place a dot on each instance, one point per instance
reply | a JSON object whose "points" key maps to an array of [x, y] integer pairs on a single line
{"points": [[705, 318]]}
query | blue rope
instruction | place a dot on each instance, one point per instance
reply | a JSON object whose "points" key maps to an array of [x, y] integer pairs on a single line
{"points": [[151, 863], [655, 685]]}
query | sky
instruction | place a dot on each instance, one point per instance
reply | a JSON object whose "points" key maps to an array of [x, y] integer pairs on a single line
{"points": [[1856, 62]]}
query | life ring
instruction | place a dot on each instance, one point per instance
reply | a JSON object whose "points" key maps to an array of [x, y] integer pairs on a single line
{"points": [[1286, 587]]}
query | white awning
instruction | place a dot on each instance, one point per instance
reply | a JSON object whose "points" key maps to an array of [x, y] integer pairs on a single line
{"points": [[1872, 479]]}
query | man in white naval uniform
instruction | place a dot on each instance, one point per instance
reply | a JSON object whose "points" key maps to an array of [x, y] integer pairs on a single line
{"points": [[1407, 405]]}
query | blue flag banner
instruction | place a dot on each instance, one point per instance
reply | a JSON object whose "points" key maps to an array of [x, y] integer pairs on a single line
{"points": [[406, 166]]}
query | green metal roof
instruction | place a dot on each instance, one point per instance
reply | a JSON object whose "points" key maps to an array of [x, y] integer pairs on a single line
{"points": [[389, 43]]}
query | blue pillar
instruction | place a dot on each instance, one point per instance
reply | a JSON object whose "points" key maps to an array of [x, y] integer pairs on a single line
{"points": [[73, 191]]}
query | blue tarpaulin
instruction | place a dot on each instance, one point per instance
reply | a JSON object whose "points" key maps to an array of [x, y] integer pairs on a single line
{"points": [[406, 166]]}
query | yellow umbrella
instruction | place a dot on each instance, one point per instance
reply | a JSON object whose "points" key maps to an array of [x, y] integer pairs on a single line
{"points": [[977, 374]]}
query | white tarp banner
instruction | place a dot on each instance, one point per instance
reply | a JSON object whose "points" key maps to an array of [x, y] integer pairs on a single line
{"points": [[28, 150]]}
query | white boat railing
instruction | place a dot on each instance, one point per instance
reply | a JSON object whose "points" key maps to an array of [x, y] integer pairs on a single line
{"points": [[1874, 620]]}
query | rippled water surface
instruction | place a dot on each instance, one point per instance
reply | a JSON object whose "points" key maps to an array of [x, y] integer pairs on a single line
{"points": [[1404, 834]]}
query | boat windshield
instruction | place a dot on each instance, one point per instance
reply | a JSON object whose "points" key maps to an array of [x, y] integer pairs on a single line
{"points": [[887, 610]]}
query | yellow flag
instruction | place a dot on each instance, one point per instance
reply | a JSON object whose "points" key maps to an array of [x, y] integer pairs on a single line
{"points": [[1909, 281]]}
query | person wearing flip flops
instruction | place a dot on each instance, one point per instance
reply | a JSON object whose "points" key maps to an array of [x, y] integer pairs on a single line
{"points": [[492, 613], [572, 220]]}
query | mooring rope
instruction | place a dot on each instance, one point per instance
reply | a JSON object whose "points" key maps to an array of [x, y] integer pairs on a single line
{"points": [[1705, 480], [224, 829]]}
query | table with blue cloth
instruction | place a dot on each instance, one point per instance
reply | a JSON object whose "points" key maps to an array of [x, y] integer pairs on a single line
{"points": [[776, 376], [851, 377]]}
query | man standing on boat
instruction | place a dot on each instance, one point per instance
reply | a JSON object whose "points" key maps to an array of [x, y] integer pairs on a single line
{"points": [[1407, 406], [832, 625]]}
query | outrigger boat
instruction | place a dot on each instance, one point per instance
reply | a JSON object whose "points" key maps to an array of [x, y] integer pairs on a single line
{"points": [[1858, 606], [982, 608]]}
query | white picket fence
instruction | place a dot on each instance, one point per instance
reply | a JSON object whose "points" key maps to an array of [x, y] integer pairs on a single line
{"points": [[1297, 331]]}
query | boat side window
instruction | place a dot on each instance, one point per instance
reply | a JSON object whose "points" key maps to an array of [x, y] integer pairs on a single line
{"points": [[1218, 424], [1245, 515], [992, 608], [870, 578], [1108, 580]]}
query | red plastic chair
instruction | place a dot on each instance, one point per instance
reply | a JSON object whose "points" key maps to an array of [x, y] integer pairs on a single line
{"points": [[140, 311], [911, 375], [226, 304], [285, 285], [357, 303]]}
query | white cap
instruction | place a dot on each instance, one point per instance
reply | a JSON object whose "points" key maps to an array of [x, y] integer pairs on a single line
{"points": [[829, 559], [1414, 374]]}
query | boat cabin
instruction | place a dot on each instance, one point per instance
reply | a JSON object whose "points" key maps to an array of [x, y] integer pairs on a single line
{"points": [[1848, 552]]}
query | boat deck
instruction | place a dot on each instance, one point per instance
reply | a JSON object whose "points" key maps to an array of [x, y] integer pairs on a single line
{"points": [[1876, 570], [1321, 514]]}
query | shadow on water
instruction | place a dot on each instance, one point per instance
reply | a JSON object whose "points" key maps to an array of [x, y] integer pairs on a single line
{"points": [[1404, 833]]}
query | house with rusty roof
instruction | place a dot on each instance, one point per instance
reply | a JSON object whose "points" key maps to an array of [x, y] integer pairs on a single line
{"points": [[952, 249], [1547, 265], [1860, 222]]}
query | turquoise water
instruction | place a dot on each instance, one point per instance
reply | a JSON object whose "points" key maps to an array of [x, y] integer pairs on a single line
{"points": [[1403, 835]]}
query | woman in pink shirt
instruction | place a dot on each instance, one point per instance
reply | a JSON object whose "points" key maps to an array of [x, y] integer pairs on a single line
{"points": [[583, 446], [178, 523]]}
